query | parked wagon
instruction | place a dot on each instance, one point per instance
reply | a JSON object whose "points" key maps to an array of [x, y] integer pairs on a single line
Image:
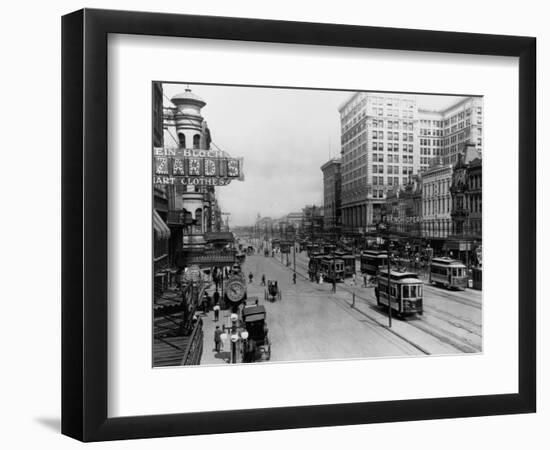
{"points": [[272, 291], [257, 345]]}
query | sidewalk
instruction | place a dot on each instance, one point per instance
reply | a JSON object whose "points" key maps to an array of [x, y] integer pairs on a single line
{"points": [[209, 355]]}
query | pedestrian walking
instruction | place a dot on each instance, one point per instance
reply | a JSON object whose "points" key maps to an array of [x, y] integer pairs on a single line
{"points": [[321, 279], [216, 297], [365, 280], [216, 312], [217, 338], [250, 277], [334, 286], [294, 277], [263, 279]]}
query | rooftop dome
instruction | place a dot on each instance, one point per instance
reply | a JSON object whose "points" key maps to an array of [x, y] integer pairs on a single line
{"points": [[187, 97]]}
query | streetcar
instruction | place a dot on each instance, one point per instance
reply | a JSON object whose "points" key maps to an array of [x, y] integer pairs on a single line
{"points": [[327, 248], [349, 262], [312, 248], [314, 265], [405, 292], [332, 268], [449, 273], [371, 260]]}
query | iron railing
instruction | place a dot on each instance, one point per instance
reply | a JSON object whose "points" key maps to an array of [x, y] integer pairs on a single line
{"points": [[193, 352]]}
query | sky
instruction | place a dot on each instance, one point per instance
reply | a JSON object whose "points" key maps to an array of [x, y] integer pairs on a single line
{"points": [[284, 136]]}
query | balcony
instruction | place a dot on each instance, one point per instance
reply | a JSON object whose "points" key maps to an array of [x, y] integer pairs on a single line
{"points": [[178, 218]]}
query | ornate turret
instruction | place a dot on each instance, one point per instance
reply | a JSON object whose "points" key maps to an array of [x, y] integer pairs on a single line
{"points": [[188, 119]]}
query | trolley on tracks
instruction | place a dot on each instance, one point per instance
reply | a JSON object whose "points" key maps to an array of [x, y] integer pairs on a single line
{"points": [[371, 260], [332, 268], [349, 262], [448, 273], [404, 292]]}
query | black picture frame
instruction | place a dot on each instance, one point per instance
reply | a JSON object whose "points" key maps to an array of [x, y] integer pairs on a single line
{"points": [[84, 224]]}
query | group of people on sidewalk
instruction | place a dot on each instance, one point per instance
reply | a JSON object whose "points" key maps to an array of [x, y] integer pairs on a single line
{"points": [[212, 303]]}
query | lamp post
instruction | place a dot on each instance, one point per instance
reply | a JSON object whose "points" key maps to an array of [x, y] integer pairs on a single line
{"points": [[236, 335], [385, 230], [294, 254]]}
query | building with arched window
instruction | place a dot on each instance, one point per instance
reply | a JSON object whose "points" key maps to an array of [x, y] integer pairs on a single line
{"points": [[185, 127]]}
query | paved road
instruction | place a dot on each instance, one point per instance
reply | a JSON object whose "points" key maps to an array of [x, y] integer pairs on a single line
{"points": [[452, 318], [311, 323]]}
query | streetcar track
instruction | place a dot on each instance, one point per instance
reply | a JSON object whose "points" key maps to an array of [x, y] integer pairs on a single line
{"points": [[433, 330], [446, 296], [440, 312], [455, 320], [466, 347], [373, 321]]}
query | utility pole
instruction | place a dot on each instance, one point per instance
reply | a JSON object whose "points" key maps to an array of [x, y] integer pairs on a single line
{"points": [[294, 254], [385, 228]]}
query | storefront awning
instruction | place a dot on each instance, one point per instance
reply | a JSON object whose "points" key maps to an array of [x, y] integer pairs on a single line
{"points": [[161, 229], [219, 236]]}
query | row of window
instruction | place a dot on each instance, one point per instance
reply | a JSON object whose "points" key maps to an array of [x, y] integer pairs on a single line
{"points": [[392, 136], [379, 168], [439, 187], [392, 147], [390, 112], [437, 206], [428, 132], [393, 125], [380, 181]]}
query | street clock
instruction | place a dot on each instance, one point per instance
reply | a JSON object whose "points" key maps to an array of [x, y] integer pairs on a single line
{"points": [[235, 290]]}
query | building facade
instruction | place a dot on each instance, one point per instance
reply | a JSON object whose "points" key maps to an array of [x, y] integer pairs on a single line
{"points": [[379, 151], [386, 138], [312, 222], [295, 219], [403, 208], [436, 200], [194, 210], [466, 208], [444, 133], [332, 195]]}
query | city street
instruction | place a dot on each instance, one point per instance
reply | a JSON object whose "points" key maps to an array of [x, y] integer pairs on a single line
{"points": [[312, 323]]}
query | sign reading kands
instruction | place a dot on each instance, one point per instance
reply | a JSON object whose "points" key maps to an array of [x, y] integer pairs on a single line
{"points": [[184, 166]]}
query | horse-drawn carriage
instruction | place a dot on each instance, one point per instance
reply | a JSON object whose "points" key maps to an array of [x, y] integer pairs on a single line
{"points": [[257, 345], [272, 291]]}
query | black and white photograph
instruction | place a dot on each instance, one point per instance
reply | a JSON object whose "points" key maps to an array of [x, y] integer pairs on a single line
{"points": [[298, 224], [275, 225]]}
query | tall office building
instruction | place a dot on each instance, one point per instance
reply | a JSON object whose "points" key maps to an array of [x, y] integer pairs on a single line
{"points": [[445, 133], [379, 150], [386, 138], [332, 194]]}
